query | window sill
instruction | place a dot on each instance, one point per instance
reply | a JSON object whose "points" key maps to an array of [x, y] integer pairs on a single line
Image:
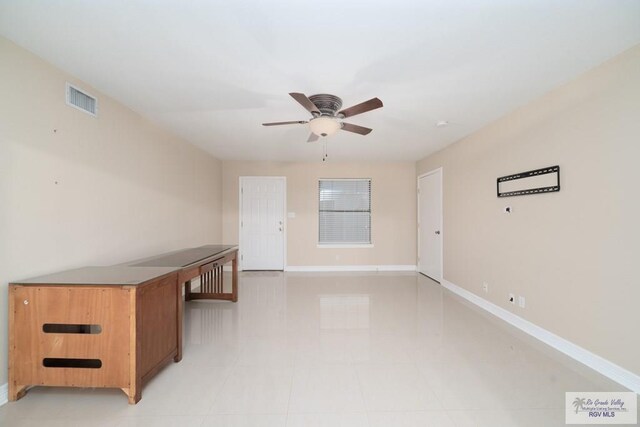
{"points": [[345, 246]]}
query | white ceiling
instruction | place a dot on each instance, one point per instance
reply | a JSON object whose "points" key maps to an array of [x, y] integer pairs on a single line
{"points": [[213, 71]]}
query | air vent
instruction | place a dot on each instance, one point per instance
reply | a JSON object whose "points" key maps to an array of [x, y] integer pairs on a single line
{"points": [[81, 100]]}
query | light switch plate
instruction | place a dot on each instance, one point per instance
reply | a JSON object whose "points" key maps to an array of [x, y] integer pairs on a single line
{"points": [[521, 301]]}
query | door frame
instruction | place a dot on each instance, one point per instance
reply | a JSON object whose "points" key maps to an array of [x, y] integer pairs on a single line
{"points": [[440, 171], [284, 217]]}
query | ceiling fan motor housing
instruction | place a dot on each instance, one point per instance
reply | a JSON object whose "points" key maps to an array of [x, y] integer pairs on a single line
{"points": [[328, 105]]}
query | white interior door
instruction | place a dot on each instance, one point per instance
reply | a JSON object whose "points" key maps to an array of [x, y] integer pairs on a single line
{"points": [[430, 224], [262, 222]]}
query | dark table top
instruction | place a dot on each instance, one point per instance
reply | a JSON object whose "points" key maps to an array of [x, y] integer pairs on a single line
{"points": [[133, 272], [184, 257], [118, 275]]}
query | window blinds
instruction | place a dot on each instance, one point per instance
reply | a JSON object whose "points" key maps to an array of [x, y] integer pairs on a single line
{"points": [[345, 211]]}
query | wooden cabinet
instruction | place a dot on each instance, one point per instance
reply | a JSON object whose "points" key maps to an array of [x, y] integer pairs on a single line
{"points": [[93, 327]]}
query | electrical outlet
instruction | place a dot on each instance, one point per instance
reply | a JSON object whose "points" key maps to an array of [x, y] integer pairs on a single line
{"points": [[521, 301], [512, 298], [485, 287]]}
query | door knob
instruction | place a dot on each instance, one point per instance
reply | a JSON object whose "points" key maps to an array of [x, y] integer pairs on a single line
{"points": [[437, 231]]}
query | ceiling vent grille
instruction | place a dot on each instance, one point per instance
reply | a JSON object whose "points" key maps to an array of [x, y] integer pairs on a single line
{"points": [[81, 100]]}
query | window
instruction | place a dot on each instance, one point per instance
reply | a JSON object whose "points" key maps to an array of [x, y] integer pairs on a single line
{"points": [[345, 211]]}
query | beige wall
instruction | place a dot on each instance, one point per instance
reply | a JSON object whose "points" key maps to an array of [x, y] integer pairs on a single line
{"points": [[393, 207], [95, 191], [574, 254]]}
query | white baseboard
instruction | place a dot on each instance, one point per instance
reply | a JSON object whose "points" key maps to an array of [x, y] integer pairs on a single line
{"points": [[584, 356], [4, 393], [338, 268], [327, 268]]}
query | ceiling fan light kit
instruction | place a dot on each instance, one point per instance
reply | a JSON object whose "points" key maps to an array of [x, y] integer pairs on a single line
{"points": [[324, 125], [326, 115]]}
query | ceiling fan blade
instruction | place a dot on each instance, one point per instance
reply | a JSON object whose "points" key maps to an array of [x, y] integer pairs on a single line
{"points": [[369, 105], [313, 137], [356, 129], [305, 102], [298, 122]]}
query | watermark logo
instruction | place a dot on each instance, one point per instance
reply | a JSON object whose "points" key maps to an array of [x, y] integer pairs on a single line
{"points": [[601, 408]]}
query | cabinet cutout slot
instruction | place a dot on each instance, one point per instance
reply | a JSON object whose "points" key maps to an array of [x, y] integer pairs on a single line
{"points": [[66, 328], [52, 362]]}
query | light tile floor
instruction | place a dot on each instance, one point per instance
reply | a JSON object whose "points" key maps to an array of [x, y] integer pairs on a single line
{"points": [[349, 349]]}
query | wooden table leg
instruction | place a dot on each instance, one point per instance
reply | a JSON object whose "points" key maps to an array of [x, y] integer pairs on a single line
{"points": [[133, 394], [134, 391], [187, 290], [16, 391], [234, 279], [180, 315]]}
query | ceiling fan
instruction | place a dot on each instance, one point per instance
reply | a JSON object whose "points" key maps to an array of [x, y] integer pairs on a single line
{"points": [[327, 116]]}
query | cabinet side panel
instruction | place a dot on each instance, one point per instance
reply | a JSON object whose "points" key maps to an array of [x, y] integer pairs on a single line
{"points": [[158, 311]]}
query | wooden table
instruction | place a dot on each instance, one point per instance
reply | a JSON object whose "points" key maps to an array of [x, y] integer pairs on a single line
{"points": [[205, 262], [109, 326]]}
